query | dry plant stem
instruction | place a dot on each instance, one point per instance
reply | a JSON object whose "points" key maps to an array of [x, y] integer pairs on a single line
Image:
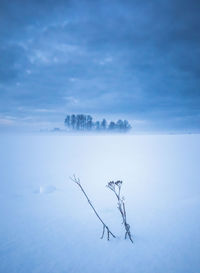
{"points": [[105, 227], [116, 188]]}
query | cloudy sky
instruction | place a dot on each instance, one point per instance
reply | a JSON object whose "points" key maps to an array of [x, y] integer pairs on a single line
{"points": [[115, 59]]}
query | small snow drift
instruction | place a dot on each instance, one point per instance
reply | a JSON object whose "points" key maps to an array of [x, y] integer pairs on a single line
{"points": [[46, 189]]}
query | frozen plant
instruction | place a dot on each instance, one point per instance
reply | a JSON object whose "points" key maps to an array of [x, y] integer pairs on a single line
{"points": [[116, 188], [105, 227]]}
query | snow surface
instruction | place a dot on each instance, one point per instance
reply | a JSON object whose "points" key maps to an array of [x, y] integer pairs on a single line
{"points": [[47, 225]]}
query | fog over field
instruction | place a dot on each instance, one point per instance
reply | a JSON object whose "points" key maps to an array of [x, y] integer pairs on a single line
{"points": [[47, 226]]}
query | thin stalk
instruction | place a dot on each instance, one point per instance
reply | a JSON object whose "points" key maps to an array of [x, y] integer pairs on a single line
{"points": [[105, 227], [116, 188]]}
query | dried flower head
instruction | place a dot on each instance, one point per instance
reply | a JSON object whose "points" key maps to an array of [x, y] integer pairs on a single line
{"points": [[118, 183], [111, 185]]}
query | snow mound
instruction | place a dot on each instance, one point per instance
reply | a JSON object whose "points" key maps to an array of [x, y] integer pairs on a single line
{"points": [[46, 189]]}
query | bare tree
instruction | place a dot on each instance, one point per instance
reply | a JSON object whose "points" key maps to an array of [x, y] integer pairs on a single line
{"points": [[116, 188], [105, 227]]}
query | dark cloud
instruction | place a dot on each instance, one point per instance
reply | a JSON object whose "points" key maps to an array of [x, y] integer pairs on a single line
{"points": [[138, 58], [13, 62]]}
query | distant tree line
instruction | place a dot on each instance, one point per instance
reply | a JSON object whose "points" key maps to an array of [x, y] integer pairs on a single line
{"points": [[85, 123]]}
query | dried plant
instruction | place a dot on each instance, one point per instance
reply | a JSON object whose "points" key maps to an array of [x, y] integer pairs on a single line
{"points": [[116, 188], [105, 227]]}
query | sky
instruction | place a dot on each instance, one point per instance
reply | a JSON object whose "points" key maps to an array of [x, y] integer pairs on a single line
{"points": [[115, 59]]}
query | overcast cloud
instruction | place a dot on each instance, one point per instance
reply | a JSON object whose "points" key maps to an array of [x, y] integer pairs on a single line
{"points": [[133, 59]]}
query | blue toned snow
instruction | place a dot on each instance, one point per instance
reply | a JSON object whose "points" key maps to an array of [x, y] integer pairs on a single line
{"points": [[47, 225]]}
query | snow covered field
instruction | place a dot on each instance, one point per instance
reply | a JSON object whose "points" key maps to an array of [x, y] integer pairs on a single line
{"points": [[47, 225]]}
